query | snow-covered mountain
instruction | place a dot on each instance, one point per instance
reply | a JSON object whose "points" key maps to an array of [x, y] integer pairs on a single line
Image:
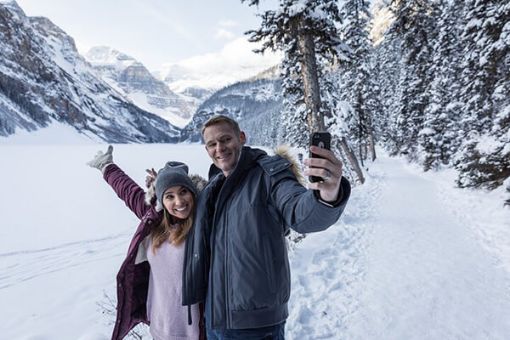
{"points": [[253, 102], [132, 78], [43, 79]]}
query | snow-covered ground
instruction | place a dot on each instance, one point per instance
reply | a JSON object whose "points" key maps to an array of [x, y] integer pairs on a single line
{"points": [[412, 257]]}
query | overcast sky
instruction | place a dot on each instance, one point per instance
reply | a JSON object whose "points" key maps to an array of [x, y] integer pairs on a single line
{"points": [[156, 32]]}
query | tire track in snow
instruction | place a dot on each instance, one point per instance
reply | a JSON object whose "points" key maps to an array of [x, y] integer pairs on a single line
{"points": [[20, 266]]}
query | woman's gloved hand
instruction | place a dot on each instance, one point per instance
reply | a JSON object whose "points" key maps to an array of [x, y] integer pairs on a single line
{"points": [[102, 159]]}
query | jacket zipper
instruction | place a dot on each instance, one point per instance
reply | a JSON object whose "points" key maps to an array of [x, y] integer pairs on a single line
{"points": [[220, 203], [213, 253], [227, 314], [211, 268]]}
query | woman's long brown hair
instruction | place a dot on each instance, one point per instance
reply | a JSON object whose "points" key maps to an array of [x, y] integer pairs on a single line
{"points": [[171, 229]]}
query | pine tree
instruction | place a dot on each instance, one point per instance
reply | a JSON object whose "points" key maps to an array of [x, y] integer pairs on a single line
{"points": [[357, 87], [389, 74], [439, 136], [414, 23], [485, 156], [306, 30]]}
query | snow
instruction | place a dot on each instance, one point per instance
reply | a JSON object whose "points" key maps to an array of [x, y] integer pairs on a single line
{"points": [[107, 56], [170, 113], [59, 57], [412, 257], [55, 133], [426, 132], [487, 144]]}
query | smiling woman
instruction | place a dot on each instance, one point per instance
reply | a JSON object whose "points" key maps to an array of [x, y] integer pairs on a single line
{"points": [[149, 282]]}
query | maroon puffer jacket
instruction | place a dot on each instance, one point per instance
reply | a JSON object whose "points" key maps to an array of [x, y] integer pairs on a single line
{"points": [[133, 279]]}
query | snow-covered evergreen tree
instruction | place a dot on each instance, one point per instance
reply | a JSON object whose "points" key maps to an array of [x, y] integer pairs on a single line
{"points": [[387, 55], [485, 157], [414, 23], [440, 134], [357, 87], [306, 30], [287, 29]]}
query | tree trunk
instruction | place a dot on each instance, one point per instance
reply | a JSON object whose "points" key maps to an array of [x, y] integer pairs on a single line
{"points": [[344, 147], [371, 144], [371, 139], [309, 74]]}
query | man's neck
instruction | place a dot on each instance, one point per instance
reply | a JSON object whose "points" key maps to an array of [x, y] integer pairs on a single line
{"points": [[227, 173]]}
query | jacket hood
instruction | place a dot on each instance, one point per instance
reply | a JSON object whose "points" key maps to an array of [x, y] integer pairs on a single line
{"points": [[296, 167], [150, 195]]}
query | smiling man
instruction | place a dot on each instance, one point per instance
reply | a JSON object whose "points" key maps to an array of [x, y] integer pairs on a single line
{"points": [[236, 255], [223, 143]]}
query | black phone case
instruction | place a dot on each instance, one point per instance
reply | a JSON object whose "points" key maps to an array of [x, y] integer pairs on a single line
{"points": [[322, 140]]}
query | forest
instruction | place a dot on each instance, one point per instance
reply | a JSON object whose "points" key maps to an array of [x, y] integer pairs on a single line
{"points": [[431, 85]]}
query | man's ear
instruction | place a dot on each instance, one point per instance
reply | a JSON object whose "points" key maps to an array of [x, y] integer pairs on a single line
{"points": [[242, 137]]}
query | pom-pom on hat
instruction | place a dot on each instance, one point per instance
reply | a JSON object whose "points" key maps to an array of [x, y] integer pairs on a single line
{"points": [[173, 174]]}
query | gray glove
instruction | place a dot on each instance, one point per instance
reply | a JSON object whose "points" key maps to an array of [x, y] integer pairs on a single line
{"points": [[101, 160]]}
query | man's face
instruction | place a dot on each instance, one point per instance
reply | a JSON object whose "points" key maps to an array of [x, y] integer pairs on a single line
{"points": [[223, 146]]}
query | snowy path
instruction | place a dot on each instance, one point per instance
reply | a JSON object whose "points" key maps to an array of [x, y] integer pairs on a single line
{"points": [[400, 265]]}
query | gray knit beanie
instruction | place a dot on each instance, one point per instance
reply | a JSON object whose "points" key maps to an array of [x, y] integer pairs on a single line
{"points": [[173, 174]]}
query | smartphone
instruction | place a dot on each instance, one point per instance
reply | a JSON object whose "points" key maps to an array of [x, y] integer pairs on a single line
{"points": [[322, 140]]}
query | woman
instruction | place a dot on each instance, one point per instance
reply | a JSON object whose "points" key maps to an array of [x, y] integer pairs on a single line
{"points": [[149, 282]]}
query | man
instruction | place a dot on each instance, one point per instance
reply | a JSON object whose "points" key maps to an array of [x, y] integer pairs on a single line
{"points": [[236, 255]]}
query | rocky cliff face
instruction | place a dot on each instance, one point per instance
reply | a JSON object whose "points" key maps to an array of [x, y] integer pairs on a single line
{"points": [[137, 83], [44, 79]]}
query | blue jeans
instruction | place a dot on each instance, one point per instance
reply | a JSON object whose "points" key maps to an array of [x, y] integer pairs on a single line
{"points": [[276, 332]]}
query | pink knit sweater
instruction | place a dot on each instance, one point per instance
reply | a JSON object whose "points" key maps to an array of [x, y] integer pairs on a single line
{"points": [[168, 318]]}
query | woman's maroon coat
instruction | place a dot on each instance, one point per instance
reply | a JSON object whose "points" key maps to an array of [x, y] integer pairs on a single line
{"points": [[133, 279]]}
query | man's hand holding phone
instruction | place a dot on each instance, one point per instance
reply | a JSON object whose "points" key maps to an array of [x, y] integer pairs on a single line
{"points": [[325, 170]]}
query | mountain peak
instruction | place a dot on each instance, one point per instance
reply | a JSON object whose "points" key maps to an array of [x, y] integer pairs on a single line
{"points": [[11, 4], [13, 7], [105, 55]]}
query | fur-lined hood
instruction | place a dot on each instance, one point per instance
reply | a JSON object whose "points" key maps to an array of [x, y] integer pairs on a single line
{"points": [[150, 194], [284, 152]]}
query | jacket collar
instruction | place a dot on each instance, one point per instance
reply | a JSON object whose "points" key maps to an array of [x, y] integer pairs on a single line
{"points": [[248, 157]]}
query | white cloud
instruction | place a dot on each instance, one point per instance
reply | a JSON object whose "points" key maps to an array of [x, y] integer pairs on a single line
{"points": [[236, 61], [222, 33]]}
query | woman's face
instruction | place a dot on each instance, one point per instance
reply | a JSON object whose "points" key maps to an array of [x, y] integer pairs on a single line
{"points": [[178, 201]]}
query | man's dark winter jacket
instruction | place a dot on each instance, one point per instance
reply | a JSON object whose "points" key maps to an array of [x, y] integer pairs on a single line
{"points": [[236, 254]]}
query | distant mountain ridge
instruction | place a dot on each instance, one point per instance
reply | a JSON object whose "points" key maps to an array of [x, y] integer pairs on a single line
{"points": [[255, 103], [134, 80], [43, 79]]}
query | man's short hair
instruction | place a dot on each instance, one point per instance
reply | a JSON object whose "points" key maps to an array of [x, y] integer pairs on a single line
{"points": [[219, 119]]}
